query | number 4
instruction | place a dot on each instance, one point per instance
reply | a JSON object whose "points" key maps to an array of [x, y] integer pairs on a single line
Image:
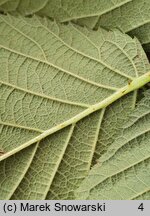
{"points": [[141, 207]]}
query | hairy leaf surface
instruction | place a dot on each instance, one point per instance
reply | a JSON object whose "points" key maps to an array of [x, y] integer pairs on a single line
{"points": [[51, 77], [123, 172], [132, 16]]}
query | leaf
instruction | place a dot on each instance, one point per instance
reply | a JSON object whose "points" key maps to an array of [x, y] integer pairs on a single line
{"points": [[54, 80], [124, 171], [132, 16], [12, 5], [64, 11], [135, 22]]}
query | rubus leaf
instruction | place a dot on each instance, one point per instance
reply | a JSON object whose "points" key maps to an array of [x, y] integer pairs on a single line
{"points": [[56, 83], [124, 171], [64, 11], [130, 16]]}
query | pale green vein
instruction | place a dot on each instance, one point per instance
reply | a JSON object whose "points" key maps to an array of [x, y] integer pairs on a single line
{"points": [[133, 105], [26, 36], [83, 54], [96, 14], [61, 69], [138, 26], [114, 148], [132, 123], [96, 137], [136, 72], [138, 118], [129, 29], [87, 56], [40, 8], [118, 172], [44, 96], [140, 194], [98, 48], [88, 39], [54, 194], [60, 158], [135, 84], [24, 172], [20, 126]]}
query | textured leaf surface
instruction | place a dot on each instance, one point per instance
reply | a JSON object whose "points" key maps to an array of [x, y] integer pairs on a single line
{"points": [[49, 74], [132, 16], [124, 171], [63, 10]]}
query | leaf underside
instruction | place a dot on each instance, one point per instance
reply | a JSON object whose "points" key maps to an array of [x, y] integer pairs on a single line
{"points": [[49, 74], [132, 16], [123, 172]]}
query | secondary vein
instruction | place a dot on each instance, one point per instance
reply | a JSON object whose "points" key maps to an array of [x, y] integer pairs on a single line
{"points": [[135, 84]]}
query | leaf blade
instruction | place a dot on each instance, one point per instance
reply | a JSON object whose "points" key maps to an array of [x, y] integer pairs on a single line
{"points": [[33, 104], [129, 16], [125, 167]]}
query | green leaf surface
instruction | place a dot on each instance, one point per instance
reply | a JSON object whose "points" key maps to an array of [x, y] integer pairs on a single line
{"points": [[54, 80], [132, 16], [63, 10], [123, 172]]}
